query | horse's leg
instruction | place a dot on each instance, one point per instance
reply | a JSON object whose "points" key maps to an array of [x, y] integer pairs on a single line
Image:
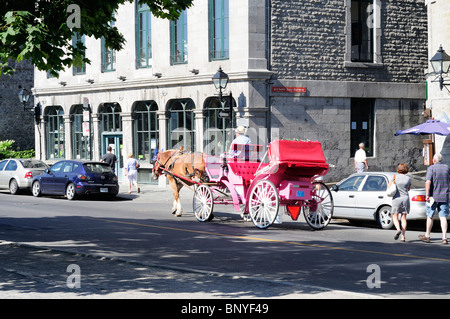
{"points": [[179, 209], [173, 184]]}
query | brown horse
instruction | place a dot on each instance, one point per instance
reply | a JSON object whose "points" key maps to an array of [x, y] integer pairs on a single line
{"points": [[175, 163]]}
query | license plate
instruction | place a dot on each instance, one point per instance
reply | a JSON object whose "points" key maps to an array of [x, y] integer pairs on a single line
{"points": [[104, 190]]}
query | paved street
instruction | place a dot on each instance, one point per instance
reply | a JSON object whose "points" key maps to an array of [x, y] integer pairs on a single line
{"points": [[134, 248]]}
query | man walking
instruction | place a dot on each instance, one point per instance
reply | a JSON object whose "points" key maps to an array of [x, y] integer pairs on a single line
{"points": [[437, 186], [361, 159], [110, 159]]}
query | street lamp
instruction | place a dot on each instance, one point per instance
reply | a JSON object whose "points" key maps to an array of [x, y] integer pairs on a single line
{"points": [[220, 80], [441, 65], [24, 97]]}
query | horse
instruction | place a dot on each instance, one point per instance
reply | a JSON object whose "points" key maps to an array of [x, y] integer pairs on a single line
{"points": [[189, 166]]}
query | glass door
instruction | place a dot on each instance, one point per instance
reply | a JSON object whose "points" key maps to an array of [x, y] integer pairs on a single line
{"points": [[116, 143]]}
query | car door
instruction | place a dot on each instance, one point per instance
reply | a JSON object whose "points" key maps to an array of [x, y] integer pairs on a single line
{"points": [[3, 183], [371, 196], [9, 171], [344, 196], [48, 179]]}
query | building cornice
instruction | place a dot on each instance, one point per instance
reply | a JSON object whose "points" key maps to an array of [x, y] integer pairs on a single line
{"points": [[149, 83]]}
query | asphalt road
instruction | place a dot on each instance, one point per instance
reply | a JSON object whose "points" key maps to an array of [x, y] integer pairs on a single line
{"points": [[134, 248]]}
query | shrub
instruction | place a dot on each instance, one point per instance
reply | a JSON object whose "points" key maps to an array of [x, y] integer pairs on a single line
{"points": [[6, 151]]}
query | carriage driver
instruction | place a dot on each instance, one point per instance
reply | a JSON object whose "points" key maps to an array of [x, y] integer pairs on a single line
{"points": [[241, 138]]}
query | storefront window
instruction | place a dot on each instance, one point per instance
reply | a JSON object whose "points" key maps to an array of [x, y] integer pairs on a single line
{"points": [[181, 128], [146, 130], [216, 137], [81, 141], [55, 132]]}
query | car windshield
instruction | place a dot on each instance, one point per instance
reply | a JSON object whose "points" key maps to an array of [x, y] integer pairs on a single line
{"points": [[30, 163], [97, 168]]}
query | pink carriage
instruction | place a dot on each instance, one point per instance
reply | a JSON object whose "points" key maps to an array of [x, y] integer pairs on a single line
{"points": [[258, 189]]}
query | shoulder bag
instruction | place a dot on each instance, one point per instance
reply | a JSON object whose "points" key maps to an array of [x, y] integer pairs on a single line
{"points": [[392, 188]]}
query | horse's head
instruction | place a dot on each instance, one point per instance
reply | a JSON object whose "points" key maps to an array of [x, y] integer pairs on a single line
{"points": [[161, 160]]}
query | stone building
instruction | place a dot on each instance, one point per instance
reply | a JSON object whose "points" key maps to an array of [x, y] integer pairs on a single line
{"points": [[15, 122], [338, 71]]}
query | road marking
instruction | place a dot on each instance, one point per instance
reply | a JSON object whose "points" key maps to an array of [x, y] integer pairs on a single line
{"points": [[271, 240]]}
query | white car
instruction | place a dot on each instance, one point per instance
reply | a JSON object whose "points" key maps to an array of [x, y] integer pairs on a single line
{"points": [[362, 196], [17, 173]]}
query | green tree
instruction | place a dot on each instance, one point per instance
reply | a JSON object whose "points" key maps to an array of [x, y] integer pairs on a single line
{"points": [[42, 30]]}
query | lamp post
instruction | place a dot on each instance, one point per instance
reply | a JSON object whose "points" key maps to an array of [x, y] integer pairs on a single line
{"points": [[441, 65], [220, 80], [24, 97]]}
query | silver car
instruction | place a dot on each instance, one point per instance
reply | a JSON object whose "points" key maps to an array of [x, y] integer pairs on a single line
{"points": [[17, 173], [362, 196]]}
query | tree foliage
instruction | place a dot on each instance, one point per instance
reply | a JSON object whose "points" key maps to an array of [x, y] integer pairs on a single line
{"points": [[40, 30]]}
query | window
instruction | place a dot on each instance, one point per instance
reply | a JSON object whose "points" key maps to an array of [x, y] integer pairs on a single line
{"points": [[78, 40], [108, 55], [55, 132], [362, 125], [12, 166], [218, 30], [179, 42], [110, 119], [81, 147], [146, 130], [2, 164], [351, 184], [362, 30], [181, 125], [375, 184], [57, 167], [143, 37], [217, 137]]}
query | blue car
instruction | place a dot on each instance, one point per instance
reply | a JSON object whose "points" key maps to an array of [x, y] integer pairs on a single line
{"points": [[76, 178]]}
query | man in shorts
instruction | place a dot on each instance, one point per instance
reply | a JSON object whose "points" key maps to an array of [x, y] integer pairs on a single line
{"points": [[437, 187]]}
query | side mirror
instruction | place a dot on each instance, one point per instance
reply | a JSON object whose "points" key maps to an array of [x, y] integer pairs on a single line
{"points": [[46, 170], [335, 188]]}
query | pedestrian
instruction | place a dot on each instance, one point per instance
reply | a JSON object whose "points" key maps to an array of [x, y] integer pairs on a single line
{"points": [[437, 187], [131, 167], [400, 201], [361, 160], [110, 159]]}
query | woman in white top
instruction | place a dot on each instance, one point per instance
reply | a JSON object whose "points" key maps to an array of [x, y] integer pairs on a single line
{"points": [[131, 167]]}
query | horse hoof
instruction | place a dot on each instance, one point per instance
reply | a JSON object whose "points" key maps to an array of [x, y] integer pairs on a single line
{"points": [[178, 214]]}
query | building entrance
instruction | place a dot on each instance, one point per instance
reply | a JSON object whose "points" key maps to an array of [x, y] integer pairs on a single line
{"points": [[116, 143]]}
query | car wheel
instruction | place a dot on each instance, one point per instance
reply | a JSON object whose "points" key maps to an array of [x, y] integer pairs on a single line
{"points": [[36, 189], [13, 187], [385, 217], [70, 191]]}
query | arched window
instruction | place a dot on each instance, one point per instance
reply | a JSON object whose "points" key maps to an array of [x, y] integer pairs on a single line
{"points": [[181, 128], [146, 130], [81, 145], [110, 119], [55, 132], [216, 137]]}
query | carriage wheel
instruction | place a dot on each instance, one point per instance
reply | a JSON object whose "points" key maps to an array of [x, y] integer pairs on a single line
{"points": [[319, 212], [203, 203], [263, 204]]}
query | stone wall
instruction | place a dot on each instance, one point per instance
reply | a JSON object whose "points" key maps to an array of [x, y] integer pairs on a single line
{"points": [[309, 49], [309, 41], [15, 123]]}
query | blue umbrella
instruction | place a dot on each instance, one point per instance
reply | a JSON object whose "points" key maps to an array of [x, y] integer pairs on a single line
{"points": [[429, 127]]}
